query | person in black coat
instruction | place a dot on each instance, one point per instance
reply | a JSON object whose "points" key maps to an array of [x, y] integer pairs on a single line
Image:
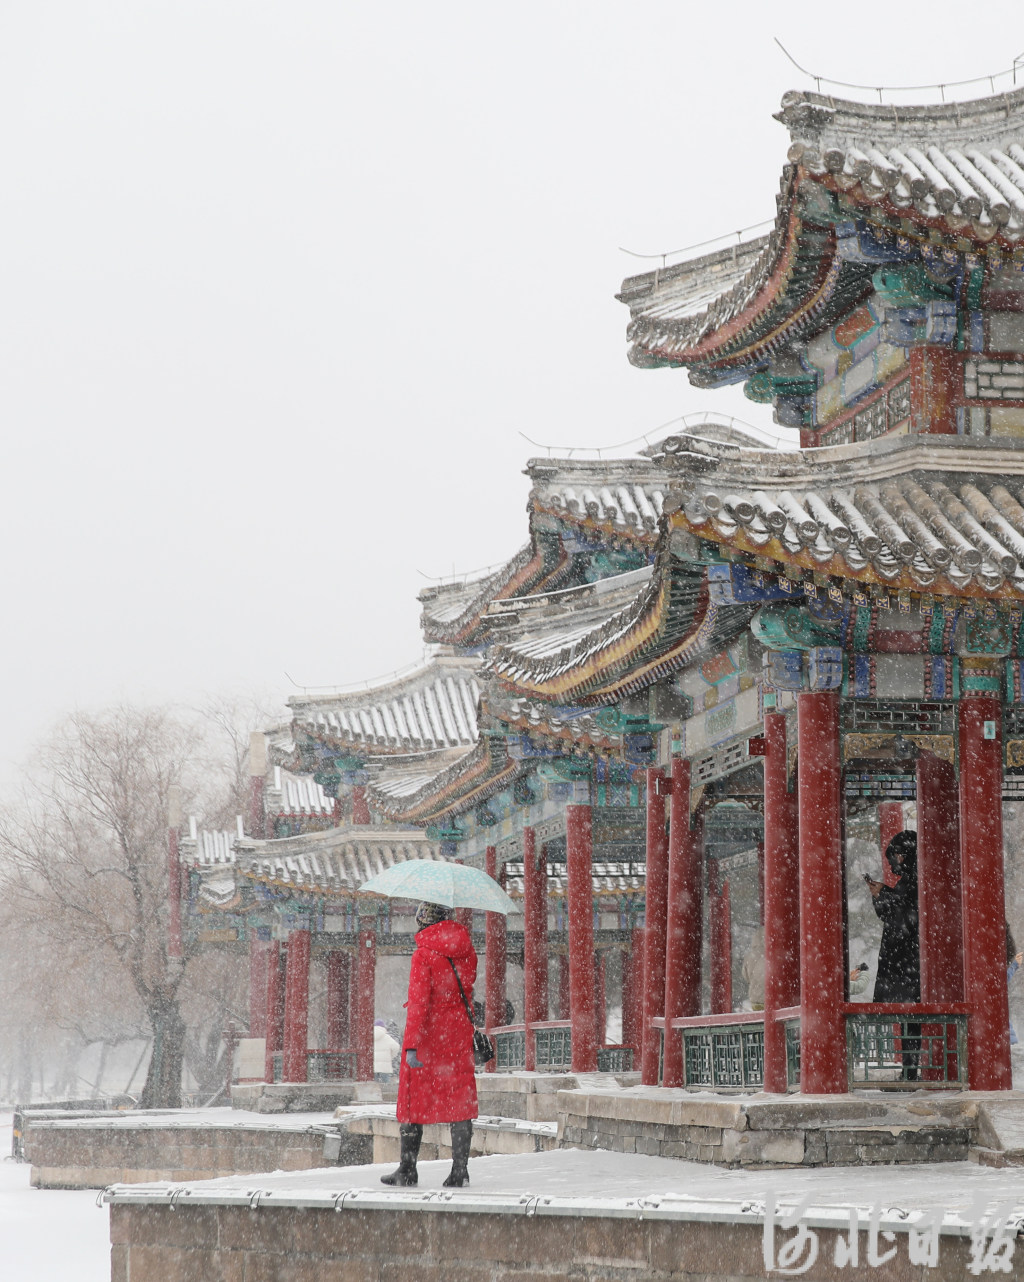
{"points": [[898, 978]]}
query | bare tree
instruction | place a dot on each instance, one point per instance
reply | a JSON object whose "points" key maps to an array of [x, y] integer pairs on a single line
{"points": [[229, 720], [84, 862]]}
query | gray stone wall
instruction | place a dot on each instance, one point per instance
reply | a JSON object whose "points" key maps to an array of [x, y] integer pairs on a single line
{"points": [[232, 1243], [69, 1156], [772, 1133]]}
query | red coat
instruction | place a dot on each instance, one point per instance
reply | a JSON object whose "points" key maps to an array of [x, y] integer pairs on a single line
{"points": [[436, 1024]]}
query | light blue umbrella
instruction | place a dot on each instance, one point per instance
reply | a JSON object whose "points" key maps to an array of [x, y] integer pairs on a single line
{"points": [[436, 881]]}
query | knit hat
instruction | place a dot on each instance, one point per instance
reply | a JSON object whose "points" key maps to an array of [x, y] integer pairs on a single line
{"points": [[901, 852], [431, 914]]}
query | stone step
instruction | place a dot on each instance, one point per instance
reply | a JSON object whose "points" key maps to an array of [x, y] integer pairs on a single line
{"points": [[1000, 1133]]}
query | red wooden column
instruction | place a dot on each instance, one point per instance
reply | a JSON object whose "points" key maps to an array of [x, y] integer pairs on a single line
{"points": [[940, 909], [655, 925], [339, 970], [464, 916], [890, 822], [296, 1006], [275, 1007], [579, 875], [496, 959], [720, 941], [781, 900], [632, 992], [366, 978], [258, 978], [564, 991], [822, 962], [984, 910], [684, 919], [360, 807], [600, 1002], [535, 939]]}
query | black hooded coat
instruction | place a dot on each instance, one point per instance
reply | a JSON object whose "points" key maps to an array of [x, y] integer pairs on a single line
{"points": [[899, 961]]}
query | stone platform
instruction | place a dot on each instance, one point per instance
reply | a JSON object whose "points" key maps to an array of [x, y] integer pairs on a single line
{"points": [[530, 1096], [605, 1216], [135, 1147], [755, 1131], [491, 1135], [307, 1097], [873, 1127]]}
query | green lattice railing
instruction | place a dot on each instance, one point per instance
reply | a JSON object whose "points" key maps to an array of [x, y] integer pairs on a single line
{"points": [[554, 1049], [330, 1066], [510, 1050], [615, 1059], [906, 1049], [724, 1055], [793, 1054]]}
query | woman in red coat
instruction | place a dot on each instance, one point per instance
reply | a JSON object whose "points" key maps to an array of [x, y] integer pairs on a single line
{"points": [[437, 1077]]}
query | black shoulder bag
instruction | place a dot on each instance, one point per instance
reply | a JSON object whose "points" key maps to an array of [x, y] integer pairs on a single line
{"points": [[483, 1049]]}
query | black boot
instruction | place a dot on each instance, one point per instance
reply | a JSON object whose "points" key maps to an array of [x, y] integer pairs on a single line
{"points": [[462, 1134], [410, 1134]]}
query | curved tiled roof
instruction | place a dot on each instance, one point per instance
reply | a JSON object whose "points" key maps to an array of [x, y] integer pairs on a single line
{"points": [[794, 287], [942, 514], [951, 170], [959, 165], [432, 709], [615, 498], [289, 794], [570, 726], [334, 862], [453, 614], [423, 795], [668, 622]]}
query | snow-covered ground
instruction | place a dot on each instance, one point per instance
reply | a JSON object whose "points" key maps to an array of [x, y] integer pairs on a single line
{"points": [[47, 1235], [614, 1177]]}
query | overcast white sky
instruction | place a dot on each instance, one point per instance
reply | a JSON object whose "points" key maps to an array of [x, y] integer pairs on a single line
{"points": [[283, 282]]}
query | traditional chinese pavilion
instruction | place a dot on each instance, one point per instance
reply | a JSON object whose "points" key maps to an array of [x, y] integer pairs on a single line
{"points": [[712, 658]]}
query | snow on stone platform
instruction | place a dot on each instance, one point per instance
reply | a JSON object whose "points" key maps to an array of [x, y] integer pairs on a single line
{"points": [[567, 1181]]}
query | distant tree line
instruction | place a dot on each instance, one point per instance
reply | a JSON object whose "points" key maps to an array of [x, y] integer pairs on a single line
{"points": [[84, 899]]}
